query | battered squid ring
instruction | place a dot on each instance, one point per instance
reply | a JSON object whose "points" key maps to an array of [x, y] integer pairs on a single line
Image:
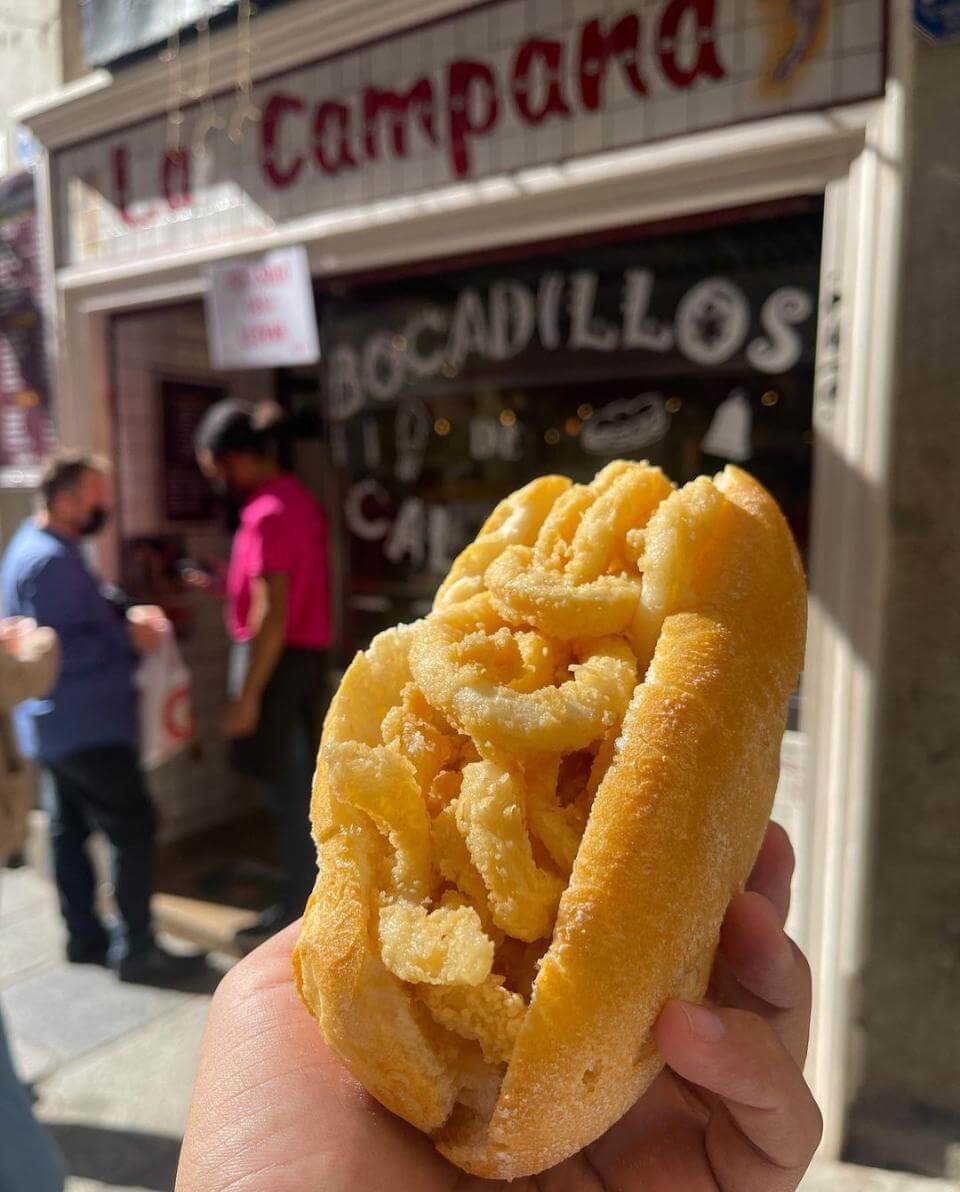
{"points": [[580, 577], [525, 594], [550, 719], [516, 520]]}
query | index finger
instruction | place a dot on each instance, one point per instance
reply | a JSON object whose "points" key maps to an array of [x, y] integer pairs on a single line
{"points": [[765, 1125], [773, 869]]}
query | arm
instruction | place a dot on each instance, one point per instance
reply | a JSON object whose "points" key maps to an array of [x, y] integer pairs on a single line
{"points": [[270, 601], [28, 664]]}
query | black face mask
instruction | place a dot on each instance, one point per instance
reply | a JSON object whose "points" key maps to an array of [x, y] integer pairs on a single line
{"points": [[96, 519]]}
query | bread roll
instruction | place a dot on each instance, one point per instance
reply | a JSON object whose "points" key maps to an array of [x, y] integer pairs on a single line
{"points": [[532, 808]]}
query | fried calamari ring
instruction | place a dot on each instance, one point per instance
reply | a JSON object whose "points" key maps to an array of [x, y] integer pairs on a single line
{"points": [[559, 829], [420, 741], [515, 520], [379, 782], [550, 719], [625, 503], [490, 816], [488, 1014], [452, 858], [446, 946], [580, 576], [525, 594]]}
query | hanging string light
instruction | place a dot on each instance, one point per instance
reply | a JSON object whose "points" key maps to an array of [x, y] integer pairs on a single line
{"points": [[245, 110], [170, 56], [40, 29], [209, 119]]}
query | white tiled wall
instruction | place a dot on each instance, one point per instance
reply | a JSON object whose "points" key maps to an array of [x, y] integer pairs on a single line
{"points": [[197, 789], [231, 193]]}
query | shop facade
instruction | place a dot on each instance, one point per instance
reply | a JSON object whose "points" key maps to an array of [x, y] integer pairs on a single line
{"points": [[542, 235]]}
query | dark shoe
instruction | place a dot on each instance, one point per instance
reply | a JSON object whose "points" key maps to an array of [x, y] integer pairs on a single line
{"points": [[268, 923], [81, 952], [157, 966]]}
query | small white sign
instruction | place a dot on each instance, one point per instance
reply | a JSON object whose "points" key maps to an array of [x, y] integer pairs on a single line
{"points": [[260, 311]]}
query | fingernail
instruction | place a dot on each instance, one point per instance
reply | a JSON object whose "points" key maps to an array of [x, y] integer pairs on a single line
{"points": [[704, 1024]]}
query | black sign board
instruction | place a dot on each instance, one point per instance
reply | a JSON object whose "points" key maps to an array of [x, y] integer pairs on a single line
{"points": [[445, 391]]}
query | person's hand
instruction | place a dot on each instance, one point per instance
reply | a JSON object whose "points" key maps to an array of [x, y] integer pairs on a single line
{"points": [[193, 577], [209, 578], [148, 623], [275, 1111], [241, 718], [14, 630]]}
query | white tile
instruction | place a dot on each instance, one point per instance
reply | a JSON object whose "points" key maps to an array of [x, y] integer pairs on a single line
{"points": [[442, 43], [502, 63], [832, 41], [753, 51], [727, 15], [585, 10], [549, 16], [861, 24], [476, 31], [815, 84], [350, 69], [510, 23], [625, 127], [860, 75], [717, 106], [668, 116], [587, 133], [748, 101], [481, 157], [512, 153], [383, 61], [727, 52], [549, 142]]}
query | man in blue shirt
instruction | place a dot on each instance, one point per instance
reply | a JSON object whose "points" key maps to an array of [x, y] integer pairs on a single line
{"points": [[85, 732]]}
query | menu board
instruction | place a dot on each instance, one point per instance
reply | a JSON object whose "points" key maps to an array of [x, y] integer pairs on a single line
{"points": [[187, 496], [444, 391]]}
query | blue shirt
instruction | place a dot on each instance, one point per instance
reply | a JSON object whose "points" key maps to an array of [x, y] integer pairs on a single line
{"points": [[94, 703]]}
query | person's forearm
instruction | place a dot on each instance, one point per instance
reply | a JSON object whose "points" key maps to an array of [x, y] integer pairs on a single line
{"points": [[266, 647], [30, 677]]}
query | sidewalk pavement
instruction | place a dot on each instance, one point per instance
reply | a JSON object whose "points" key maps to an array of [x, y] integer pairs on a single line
{"points": [[112, 1065]]}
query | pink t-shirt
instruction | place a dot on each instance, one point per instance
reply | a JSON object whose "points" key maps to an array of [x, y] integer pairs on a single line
{"points": [[282, 530]]}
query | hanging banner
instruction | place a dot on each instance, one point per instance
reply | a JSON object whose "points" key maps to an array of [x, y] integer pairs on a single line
{"points": [[260, 312], [490, 90], [26, 430]]}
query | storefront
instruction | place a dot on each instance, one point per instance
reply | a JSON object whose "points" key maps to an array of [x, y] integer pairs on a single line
{"points": [[542, 234]]}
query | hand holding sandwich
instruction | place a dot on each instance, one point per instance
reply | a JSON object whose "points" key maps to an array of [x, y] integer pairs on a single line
{"points": [[275, 1110]]}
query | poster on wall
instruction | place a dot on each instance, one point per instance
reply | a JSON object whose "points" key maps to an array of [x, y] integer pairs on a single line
{"points": [[26, 428], [444, 391], [187, 496], [260, 311]]}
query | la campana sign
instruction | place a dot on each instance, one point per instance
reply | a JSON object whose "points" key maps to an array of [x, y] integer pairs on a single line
{"points": [[510, 85]]}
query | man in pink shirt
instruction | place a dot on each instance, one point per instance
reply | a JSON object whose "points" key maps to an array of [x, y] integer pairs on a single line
{"points": [[278, 616]]}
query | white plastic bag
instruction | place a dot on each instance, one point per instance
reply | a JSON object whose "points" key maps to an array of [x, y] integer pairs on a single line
{"points": [[166, 706]]}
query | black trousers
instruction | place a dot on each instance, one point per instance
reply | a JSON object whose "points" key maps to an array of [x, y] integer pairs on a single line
{"points": [[281, 755], [103, 788]]}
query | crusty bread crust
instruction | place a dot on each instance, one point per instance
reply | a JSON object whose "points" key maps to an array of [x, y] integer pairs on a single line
{"points": [[672, 834]]}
